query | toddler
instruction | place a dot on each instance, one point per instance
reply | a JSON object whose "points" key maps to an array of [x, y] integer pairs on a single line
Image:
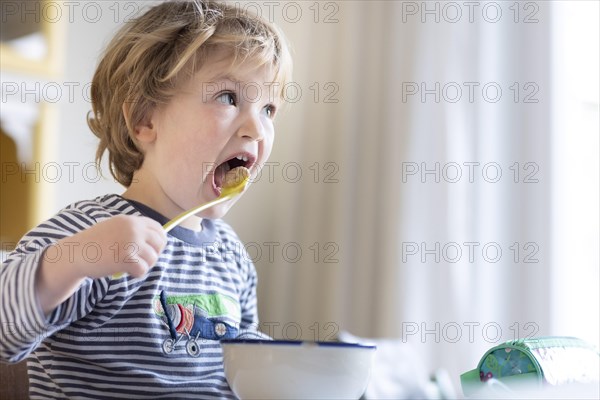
{"points": [[101, 299]]}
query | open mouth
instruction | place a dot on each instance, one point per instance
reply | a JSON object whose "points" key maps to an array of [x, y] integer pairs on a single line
{"points": [[241, 160]]}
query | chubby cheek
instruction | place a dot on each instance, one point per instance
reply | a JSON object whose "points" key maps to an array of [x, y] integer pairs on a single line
{"points": [[183, 175], [266, 145]]}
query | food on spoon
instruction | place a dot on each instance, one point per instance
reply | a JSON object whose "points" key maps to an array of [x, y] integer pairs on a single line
{"points": [[235, 180]]}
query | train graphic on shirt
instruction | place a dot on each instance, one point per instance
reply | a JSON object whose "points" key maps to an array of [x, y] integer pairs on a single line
{"points": [[190, 319]]}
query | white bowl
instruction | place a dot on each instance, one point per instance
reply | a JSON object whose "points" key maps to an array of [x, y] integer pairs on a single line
{"points": [[283, 369]]}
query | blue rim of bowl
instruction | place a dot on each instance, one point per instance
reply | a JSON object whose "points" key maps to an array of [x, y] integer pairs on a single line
{"points": [[298, 343]]}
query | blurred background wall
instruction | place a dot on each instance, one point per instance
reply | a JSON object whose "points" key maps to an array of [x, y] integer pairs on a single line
{"points": [[434, 177]]}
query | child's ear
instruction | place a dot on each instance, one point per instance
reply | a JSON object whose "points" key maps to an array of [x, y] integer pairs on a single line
{"points": [[144, 131]]}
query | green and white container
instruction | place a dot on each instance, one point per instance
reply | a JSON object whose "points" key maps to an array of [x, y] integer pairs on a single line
{"points": [[535, 361]]}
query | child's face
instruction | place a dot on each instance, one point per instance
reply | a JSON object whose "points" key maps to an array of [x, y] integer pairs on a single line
{"points": [[214, 118]]}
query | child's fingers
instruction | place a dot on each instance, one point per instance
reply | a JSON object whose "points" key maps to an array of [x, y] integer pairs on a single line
{"points": [[140, 265], [156, 243], [155, 226], [148, 239], [156, 237], [140, 261]]}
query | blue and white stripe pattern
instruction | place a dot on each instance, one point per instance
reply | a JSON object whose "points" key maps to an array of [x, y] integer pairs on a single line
{"points": [[107, 339]]}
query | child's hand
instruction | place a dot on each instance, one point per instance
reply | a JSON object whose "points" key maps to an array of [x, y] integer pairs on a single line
{"points": [[124, 243]]}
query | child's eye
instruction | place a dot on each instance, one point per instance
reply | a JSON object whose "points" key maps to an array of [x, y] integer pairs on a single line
{"points": [[270, 110], [227, 98]]}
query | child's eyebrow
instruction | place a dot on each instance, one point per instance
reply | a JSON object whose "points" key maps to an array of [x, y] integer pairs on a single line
{"points": [[228, 77], [225, 77]]}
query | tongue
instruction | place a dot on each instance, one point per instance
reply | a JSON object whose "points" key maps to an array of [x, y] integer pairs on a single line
{"points": [[220, 173]]}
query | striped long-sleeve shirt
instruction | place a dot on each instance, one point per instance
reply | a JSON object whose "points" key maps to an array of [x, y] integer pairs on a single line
{"points": [[125, 337]]}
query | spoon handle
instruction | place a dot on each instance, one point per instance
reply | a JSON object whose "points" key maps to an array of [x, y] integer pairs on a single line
{"points": [[184, 215]]}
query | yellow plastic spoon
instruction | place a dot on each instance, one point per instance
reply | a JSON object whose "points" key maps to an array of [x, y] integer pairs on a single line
{"points": [[234, 183]]}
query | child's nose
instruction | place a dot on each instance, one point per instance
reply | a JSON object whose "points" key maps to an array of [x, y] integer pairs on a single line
{"points": [[251, 128]]}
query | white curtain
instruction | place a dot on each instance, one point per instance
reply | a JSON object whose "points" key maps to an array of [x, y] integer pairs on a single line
{"points": [[428, 183]]}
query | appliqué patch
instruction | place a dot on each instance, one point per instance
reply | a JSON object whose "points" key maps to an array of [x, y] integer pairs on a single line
{"points": [[205, 316]]}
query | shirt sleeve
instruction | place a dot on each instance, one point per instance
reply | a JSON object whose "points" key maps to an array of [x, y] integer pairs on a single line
{"points": [[23, 324]]}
